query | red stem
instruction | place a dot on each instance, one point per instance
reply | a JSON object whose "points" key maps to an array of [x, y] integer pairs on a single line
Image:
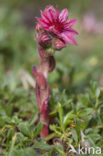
{"points": [[47, 64]]}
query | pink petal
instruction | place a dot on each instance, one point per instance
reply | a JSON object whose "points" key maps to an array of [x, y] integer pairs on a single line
{"points": [[71, 22], [44, 17], [49, 15], [46, 28], [42, 22], [68, 39], [73, 41], [56, 13], [64, 14], [72, 31], [49, 8], [52, 13]]}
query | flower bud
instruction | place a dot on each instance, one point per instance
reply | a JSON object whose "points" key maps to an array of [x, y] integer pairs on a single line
{"points": [[58, 44], [44, 39], [39, 28]]}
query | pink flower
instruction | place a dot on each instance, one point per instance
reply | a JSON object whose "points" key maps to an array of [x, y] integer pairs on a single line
{"points": [[58, 24]]}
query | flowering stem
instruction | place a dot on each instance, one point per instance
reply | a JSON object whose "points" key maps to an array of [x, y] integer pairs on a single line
{"points": [[53, 31], [46, 65]]}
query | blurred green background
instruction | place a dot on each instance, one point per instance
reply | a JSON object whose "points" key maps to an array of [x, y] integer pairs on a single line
{"points": [[76, 66]]}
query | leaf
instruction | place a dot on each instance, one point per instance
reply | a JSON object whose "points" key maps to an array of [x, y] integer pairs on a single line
{"points": [[24, 128], [33, 119], [85, 112], [44, 146], [38, 129], [10, 133], [82, 124], [24, 152], [95, 89], [97, 93], [74, 134], [68, 117], [60, 111]]}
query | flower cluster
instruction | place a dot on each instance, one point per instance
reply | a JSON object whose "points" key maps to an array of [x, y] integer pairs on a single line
{"points": [[58, 26], [53, 32]]}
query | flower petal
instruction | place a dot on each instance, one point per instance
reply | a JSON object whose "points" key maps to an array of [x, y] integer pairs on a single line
{"points": [[49, 16], [68, 39], [72, 31], [63, 15], [44, 17], [56, 13], [71, 22], [42, 22], [52, 13]]}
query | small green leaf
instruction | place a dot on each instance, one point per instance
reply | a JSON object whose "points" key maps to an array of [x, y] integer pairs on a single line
{"points": [[33, 119], [85, 112], [74, 134], [97, 93], [60, 111], [44, 146], [37, 129], [24, 128], [68, 117], [10, 133], [24, 152]]}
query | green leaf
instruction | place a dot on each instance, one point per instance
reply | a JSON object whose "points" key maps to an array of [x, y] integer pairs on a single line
{"points": [[86, 112], [74, 134], [37, 129], [33, 119], [10, 133], [24, 152], [24, 128], [60, 111], [95, 89], [68, 117], [97, 93], [44, 146]]}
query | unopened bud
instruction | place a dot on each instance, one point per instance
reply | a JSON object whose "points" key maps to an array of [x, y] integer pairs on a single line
{"points": [[39, 28], [58, 44], [44, 39]]}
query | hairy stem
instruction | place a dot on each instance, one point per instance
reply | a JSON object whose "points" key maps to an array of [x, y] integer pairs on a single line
{"points": [[46, 65]]}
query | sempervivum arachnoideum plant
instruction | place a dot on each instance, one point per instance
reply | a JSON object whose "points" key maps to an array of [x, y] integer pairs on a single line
{"points": [[53, 32]]}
